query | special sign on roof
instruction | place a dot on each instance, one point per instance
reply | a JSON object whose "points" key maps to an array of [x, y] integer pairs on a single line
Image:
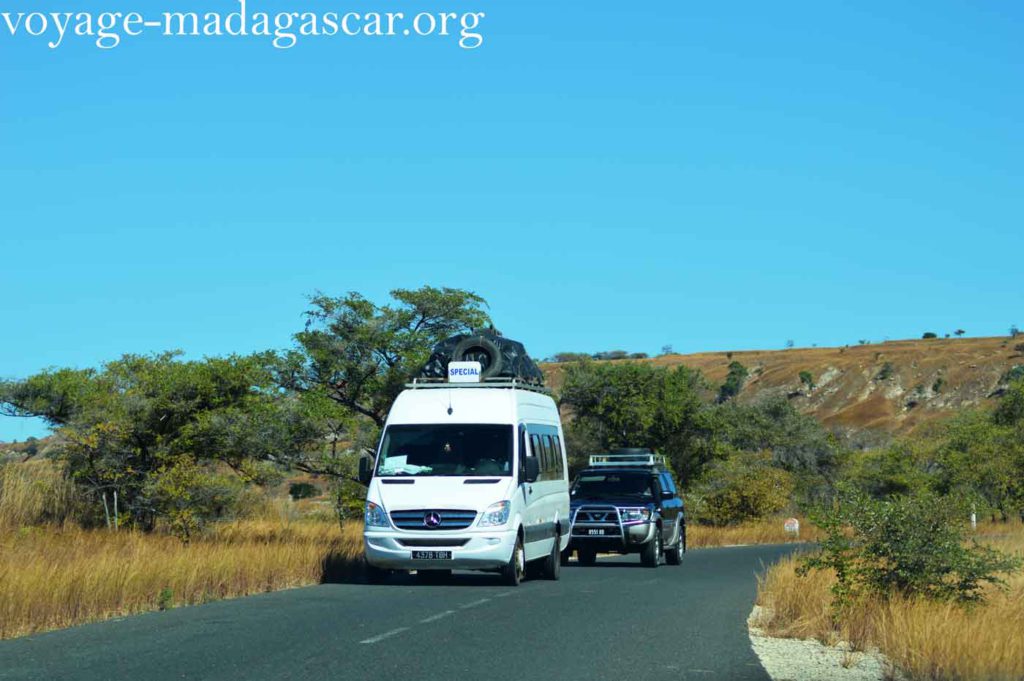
{"points": [[464, 372]]}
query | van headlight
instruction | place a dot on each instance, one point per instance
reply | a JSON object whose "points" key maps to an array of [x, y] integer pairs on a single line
{"points": [[374, 516], [634, 515], [496, 514]]}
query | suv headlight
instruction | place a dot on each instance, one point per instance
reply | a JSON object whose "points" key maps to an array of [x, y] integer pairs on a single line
{"points": [[496, 514], [634, 515], [374, 516]]}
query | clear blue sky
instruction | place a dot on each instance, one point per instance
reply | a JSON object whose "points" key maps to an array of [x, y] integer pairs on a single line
{"points": [[608, 175]]}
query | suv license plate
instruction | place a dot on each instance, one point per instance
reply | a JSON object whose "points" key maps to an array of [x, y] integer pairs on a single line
{"points": [[431, 555], [595, 532]]}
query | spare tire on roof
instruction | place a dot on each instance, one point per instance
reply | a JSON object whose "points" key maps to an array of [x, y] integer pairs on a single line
{"points": [[499, 357], [479, 349]]}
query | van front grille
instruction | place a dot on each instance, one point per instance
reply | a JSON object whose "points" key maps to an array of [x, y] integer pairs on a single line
{"points": [[432, 543], [433, 519]]}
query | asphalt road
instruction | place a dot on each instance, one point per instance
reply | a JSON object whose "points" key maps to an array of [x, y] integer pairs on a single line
{"points": [[616, 620]]}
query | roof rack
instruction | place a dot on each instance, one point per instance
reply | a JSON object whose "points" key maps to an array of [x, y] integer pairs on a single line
{"points": [[620, 460], [426, 383]]}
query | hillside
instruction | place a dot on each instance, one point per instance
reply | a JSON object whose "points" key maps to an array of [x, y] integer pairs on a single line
{"points": [[925, 379]]}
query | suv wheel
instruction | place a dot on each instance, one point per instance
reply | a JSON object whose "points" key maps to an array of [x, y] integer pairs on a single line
{"points": [[552, 568], [651, 554], [512, 573], [674, 555]]}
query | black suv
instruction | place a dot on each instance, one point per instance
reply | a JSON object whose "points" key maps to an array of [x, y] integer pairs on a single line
{"points": [[627, 502]]}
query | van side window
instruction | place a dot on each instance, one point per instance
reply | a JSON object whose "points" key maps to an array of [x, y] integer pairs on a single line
{"points": [[549, 449], [537, 452], [546, 445]]}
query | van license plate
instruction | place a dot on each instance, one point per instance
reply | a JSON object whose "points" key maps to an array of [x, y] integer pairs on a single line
{"points": [[431, 555], [596, 532]]}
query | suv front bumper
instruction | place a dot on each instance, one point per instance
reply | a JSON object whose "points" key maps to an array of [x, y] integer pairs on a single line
{"points": [[611, 536]]}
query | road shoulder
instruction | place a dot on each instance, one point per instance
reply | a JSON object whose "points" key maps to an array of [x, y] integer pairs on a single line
{"points": [[787, 659]]}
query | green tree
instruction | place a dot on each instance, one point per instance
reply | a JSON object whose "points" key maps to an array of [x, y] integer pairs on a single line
{"points": [[633, 405], [360, 355], [140, 420], [734, 381]]}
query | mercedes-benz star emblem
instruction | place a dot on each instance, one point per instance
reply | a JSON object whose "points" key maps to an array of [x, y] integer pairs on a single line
{"points": [[432, 519]]}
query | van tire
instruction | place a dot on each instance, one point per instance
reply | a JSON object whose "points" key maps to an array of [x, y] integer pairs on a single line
{"points": [[552, 568], [586, 556], [515, 568], [466, 344], [650, 556]]}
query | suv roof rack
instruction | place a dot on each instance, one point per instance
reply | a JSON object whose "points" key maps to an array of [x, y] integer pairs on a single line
{"points": [[515, 383], [639, 458]]}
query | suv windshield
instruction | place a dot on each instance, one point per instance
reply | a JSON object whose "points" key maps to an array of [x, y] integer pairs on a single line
{"points": [[462, 450], [595, 485]]}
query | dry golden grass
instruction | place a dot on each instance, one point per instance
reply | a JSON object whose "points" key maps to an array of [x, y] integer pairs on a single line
{"points": [[925, 640], [34, 492], [55, 574], [53, 578], [767, 531]]}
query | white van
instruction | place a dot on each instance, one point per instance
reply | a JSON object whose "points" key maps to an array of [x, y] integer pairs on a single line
{"points": [[468, 476]]}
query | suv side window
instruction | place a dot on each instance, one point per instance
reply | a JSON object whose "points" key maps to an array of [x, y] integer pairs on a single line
{"points": [[668, 484]]}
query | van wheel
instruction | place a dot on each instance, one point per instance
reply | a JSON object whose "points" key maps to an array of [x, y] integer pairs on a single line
{"points": [[651, 554], [586, 556], [552, 568], [512, 573]]}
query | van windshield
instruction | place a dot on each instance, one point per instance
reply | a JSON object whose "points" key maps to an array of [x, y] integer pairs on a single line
{"points": [[457, 450]]}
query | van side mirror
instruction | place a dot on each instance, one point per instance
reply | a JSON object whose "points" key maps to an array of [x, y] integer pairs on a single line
{"points": [[666, 495], [531, 469], [365, 470]]}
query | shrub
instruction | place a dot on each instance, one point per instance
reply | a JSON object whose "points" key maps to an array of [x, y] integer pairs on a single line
{"points": [[741, 487], [570, 357], [905, 545], [885, 373], [929, 335], [1015, 373], [303, 490], [807, 378], [937, 385]]}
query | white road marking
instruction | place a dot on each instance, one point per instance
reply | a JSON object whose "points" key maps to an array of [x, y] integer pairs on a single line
{"points": [[474, 603], [434, 618], [387, 634]]}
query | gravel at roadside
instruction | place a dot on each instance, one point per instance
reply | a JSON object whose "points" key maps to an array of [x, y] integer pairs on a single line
{"points": [[787, 659]]}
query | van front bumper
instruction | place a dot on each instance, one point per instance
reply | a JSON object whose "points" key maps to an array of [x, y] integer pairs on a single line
{"points": [[393, 550]]}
